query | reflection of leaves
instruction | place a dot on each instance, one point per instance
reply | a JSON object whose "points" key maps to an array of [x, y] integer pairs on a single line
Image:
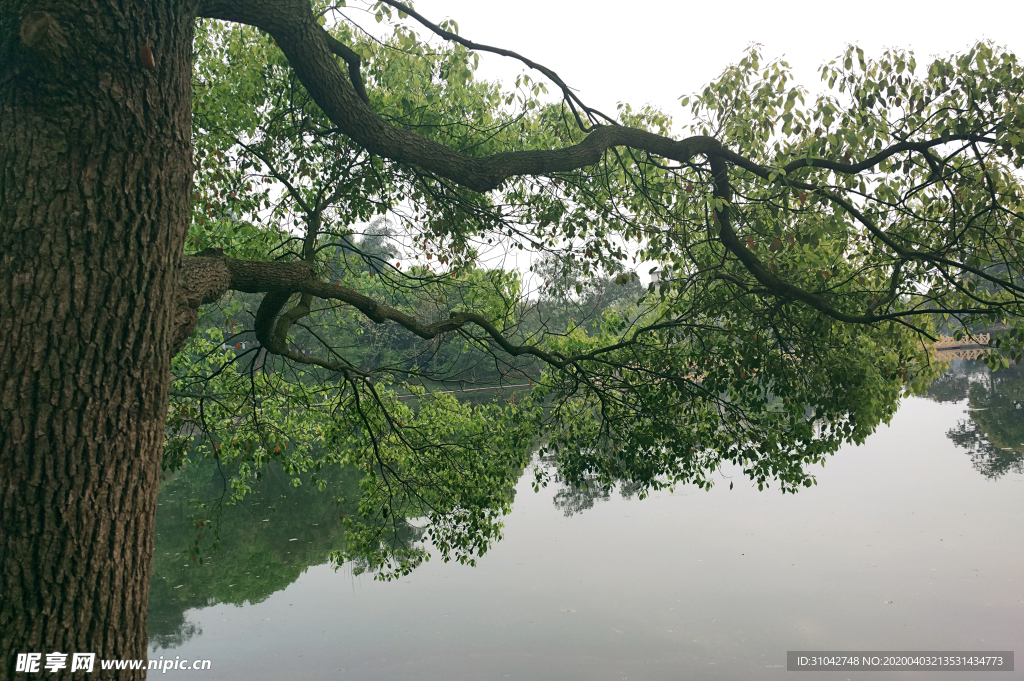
{"points": [[171, 637], [447, 462], [990, 460], [953, 385], [572, 498], [256, 556], [432, 457], [994, 435]]}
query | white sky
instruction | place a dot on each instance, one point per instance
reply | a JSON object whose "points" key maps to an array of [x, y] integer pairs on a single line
{"points": [[657, 50]]}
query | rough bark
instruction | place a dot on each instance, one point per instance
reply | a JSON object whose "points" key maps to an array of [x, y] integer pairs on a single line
{"points": [[95, 174]]}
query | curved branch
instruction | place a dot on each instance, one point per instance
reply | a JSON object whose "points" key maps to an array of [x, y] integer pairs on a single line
{"points": [[293, 26], [753, 264], [306, 44], [280, 280], [354, 63], [923, 147]]}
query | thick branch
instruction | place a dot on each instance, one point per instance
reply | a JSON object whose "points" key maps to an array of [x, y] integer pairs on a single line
{"points": [[310, 52], [282, 279], [202, 279], [354, 63], [305, 43]]}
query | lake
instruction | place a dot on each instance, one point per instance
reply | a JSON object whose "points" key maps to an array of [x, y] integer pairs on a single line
{"points": [[912, 541]]}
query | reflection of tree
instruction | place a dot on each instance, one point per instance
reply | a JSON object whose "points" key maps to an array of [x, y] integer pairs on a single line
{"points": [[953, 385], [571, 499], [994, 434], [241, 553], [988, 457]]}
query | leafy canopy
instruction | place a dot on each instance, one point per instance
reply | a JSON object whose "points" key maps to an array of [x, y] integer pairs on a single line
{"points": [[800, 268]]}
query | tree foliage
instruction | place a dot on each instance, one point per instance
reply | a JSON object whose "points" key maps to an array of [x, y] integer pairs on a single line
{"points": [[807, 247]]}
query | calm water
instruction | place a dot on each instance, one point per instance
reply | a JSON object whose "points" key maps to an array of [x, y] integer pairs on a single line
{"points": [[911, 542]]}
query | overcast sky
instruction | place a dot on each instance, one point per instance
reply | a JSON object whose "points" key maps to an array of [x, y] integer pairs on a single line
{"points": [[656, 50]]}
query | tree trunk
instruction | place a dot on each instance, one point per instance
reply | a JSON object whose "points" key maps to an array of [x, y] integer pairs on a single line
{"points": [[95, 177]]}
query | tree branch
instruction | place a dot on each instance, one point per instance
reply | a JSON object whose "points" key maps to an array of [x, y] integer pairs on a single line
{"points": [[779, 288], [280, 280], [305, 43], [354, 63], [202, 279], [293, 26], [567, 94], [309, 50]]}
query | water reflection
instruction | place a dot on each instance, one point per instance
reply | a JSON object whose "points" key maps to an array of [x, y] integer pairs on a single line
{"points": [[993, 435], [901, 546], [571, 500], [269, 543], [208, 552]]}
